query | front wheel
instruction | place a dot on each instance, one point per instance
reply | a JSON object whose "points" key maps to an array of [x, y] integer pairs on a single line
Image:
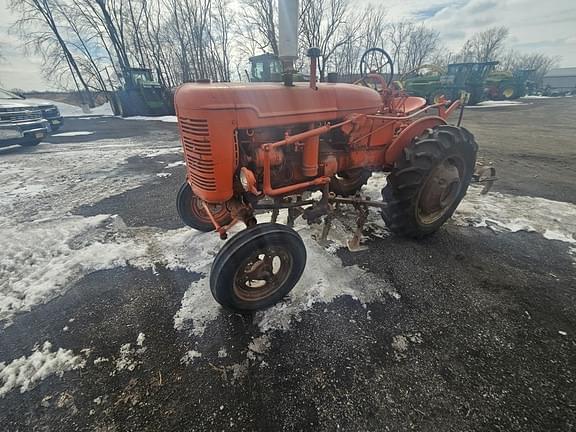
{"points": [[193, 214], [31, 143], [257, 267], [429, 180]]}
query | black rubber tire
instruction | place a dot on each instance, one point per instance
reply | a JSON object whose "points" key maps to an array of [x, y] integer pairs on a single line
{"points": [[414, 167], [348, 183], [235, 251], [32, 143], [195, 220]]}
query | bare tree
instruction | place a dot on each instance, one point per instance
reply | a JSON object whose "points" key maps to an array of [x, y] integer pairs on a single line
{"points": [[540, 63], [328, 25], [40, 14], [259, 24], [398, 37], [421, 47], [486, 45]]}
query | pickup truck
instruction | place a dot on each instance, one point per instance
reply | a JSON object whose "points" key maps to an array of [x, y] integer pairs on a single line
{"points": [[24, 123]]}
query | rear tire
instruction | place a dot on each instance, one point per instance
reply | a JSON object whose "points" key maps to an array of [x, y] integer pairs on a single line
{"points": [[429, 180], [257, 267], [349, 182], [192, 212]]}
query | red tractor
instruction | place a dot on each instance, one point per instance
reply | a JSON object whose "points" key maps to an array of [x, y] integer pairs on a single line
{"points": [[263, 145]]}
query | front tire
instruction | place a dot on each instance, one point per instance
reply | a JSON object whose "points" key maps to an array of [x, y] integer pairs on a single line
{"points": [[31, 143], [429, 180], [192, 212], [257, 267]]}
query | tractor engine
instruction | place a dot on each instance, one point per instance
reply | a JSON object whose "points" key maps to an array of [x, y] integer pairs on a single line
{"points": [[224, 126]]}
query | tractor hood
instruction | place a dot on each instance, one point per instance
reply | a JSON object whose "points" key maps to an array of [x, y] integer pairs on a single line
{"points": [[268, 104]]}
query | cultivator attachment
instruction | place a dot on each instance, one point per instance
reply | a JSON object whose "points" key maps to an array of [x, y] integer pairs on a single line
{"points": [[361, 206]]}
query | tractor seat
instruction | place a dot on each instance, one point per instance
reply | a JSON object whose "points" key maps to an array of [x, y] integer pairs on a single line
{"points": [[410, 104]]}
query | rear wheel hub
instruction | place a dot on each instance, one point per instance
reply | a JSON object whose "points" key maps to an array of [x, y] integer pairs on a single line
{"points": [[440, 191]]}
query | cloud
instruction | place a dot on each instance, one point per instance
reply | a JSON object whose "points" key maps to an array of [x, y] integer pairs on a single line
{"points": [[534, 25]]}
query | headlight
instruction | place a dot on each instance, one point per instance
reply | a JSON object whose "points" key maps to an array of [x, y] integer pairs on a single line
{"points": [[248, 181], [244, 180]]}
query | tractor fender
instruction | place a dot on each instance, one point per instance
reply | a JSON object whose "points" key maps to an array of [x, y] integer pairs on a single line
{"points": [[407, 135]]}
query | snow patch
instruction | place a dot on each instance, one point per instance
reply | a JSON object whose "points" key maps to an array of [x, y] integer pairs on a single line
{"points": [[165, 119], [39, 264], [500, 212], [73, 134], [496, 104], [175, 164], [68, 110], [26, 372], [129, 358], [163, 174], [140, 339], [538, 97], [45, 248], [190, 356]]}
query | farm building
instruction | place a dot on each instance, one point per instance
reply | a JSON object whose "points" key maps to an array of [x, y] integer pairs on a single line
{"points": [[561, 79]]}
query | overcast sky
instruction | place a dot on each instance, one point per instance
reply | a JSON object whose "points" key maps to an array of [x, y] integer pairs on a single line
{"points": [[547, 26]]}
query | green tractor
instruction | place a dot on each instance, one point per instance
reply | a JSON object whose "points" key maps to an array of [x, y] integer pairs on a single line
{"points": [[268, 68], [506, 85], [460, 77], [141, 95]]}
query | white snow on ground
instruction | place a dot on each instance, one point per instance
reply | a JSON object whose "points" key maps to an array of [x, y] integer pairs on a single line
{"points": [[496, 104], [190, 356], [165, 119], [538, 97], [44, 248], [140, 339], [40, 258], [128, 357], [175, 164], [26, 372], [68, 110], [73, 134], [511, 213]]}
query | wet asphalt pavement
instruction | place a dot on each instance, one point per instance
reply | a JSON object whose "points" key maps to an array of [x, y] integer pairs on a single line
{"points": [[472, 342]]}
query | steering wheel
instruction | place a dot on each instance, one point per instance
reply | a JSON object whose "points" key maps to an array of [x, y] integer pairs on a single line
{"points": [[377, 61]]}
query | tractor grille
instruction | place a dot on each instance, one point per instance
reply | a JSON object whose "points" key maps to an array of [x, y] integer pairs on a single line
{"points": [[198, 152]]}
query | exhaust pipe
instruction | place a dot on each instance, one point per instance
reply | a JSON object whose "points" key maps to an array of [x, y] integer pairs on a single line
{"points": [[288, 11]]}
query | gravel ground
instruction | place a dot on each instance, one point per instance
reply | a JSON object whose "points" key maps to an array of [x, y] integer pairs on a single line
{"points": [[471, 329]]}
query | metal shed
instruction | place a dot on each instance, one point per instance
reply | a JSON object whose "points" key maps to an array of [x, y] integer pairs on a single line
{"points": [[561, 79]]}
